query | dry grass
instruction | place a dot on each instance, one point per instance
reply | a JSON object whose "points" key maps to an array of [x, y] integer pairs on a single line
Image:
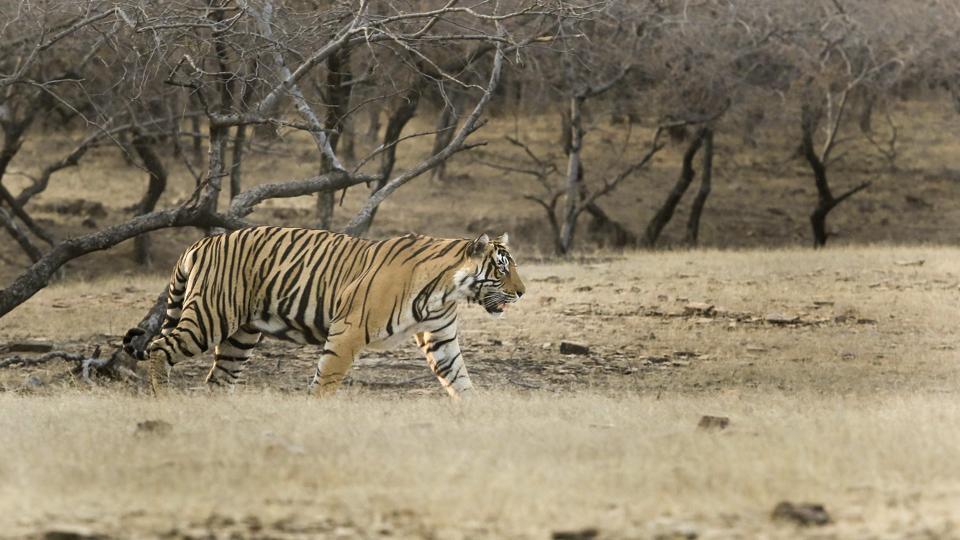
{"points": [[860, 416], [506, 465]]}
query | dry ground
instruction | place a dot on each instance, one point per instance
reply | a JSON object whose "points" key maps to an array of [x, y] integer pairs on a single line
{"points": [[838, 369], [850, 400]]}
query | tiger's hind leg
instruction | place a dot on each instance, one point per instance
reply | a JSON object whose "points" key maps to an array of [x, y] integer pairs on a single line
{"points": [[231, 356]]}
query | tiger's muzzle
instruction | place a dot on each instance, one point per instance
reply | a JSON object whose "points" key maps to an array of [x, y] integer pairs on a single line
{"points": [[495, 302]]}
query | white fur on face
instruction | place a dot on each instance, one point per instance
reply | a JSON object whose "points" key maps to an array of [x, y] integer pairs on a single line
{"points": [[464, 281]]}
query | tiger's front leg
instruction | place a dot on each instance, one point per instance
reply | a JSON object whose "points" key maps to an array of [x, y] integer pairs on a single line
{"points": [[338, 353], [442, 350]]}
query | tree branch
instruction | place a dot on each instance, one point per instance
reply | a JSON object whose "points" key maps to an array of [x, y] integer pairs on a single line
{"points": [[361, 220]]}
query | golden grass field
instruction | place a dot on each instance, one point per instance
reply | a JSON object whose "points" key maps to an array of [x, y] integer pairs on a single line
{"points": [[854, 405], [838, 368]]}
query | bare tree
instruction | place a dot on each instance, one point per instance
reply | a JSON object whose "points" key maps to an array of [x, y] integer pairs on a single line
{"points": [[706, 175], [205, 53]]}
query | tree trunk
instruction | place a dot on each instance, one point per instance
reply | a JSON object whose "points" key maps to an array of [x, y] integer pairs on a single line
{"points": [[696, 210], [565, 131], [236, 162], [123, 139], [446, 127], [825, 199], [665, 213], [348, 140], [336, 94], [240, 139], [395, 124], [574, 177], [373, 124], [156, 185], [197, 140], [12, 141], [6, 220], [607, 231]]}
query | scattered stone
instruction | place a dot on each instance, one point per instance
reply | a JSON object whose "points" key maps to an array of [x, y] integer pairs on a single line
{"points": [[698, 308], [30, 346], [30, 385], [681, 532], [781, 318], [546, 346], [72, 533], [708, 422], [153, 427], [585, 288], [844, 317], [916, 202], [756, 349], [917, 262], [496, 342], [587, 533], [803, 514], [822, 303], [569, 347], [552, 279], [864, 320], [547, 300], [657, 359]]}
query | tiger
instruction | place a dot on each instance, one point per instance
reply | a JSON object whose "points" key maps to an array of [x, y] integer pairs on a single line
{"points": [[324, 288]]}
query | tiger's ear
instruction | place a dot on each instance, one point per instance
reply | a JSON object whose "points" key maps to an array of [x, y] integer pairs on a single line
{"points": [[503, 239], [478, 246]]}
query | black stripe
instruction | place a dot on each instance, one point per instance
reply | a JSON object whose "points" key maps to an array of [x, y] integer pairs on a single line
{"points": [[435, 345], [239, 344]]}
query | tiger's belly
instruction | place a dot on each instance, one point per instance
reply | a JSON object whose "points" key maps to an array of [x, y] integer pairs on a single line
{"points": [[384, 341], [285, 330]]}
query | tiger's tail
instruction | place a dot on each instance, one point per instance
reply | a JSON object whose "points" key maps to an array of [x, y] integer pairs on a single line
{"points": [[128, 345]]}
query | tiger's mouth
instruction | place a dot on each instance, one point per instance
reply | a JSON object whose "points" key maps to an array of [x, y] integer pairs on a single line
{"points": [[496, 304], [496, 309]]}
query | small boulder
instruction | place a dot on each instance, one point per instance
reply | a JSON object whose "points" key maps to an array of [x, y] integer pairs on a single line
{"points": [[570, 347], [72, 533], [708, 422], [588, 533], [153, 427], [781, 318], [803, 514], [698, 308]]}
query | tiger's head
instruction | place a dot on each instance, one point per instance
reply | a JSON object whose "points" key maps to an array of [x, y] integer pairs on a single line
{"points": [[496, 280]]}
